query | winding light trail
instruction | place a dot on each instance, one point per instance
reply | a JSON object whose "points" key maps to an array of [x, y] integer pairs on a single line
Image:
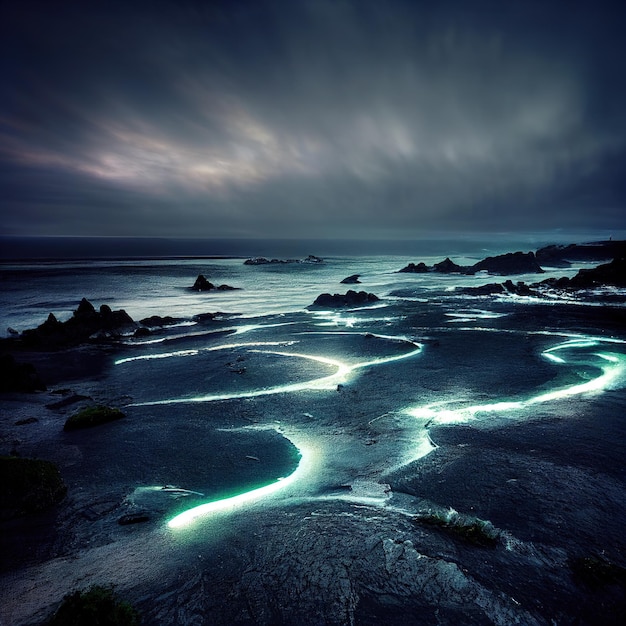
{"points": [[611, 365], [307, 456], [324, 383]]}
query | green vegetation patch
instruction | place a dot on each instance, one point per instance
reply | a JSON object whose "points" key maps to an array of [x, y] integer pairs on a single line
{"points": [[97, 606], [92, 416], [471, 529], [28, 486]]}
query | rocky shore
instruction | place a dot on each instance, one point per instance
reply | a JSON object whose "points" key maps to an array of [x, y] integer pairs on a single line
{"points": [[515, 519]]}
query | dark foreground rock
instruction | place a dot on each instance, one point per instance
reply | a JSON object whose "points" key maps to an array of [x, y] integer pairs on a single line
{"points": [[86, 324], [350, 298], [92, 416], [351, 280], [18, 377], [28, 486]]}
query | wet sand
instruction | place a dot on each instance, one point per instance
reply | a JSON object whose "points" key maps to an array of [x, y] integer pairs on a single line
{"points": [[343, 543]]}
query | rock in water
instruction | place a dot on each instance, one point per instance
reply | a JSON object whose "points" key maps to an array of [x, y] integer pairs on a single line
{"points": [[510, 263], [611, 274], [411, 268], [202, 284], [351, 280], [350, 298], [447, 267]]}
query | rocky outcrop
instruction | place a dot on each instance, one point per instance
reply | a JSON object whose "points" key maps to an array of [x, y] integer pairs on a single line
{"points": [[350, 298], [86, 324], [448, 267], [561, 256], [202, 284], [507, 264], [508, 286], [155, 321], [18, 377], [351, 280], [260, 260], [412, 268], [610, 274]]}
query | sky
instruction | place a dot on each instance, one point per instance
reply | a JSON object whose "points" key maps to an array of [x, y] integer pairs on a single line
{"points": [[311, 118]]}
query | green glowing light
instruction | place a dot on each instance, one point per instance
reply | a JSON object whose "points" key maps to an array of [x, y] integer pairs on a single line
{"points": [[613, 369], [184, 519]]}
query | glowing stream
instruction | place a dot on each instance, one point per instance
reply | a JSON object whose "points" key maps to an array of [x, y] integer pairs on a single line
{"points": [[307, 455], [305, 467], [612, 366], [324, 383]]}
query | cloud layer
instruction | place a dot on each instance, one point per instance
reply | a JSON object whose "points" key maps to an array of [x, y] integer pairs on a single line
{"points": [[311, 118]]}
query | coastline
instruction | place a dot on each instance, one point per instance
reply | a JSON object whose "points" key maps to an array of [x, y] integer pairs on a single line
{"points": [[349, 533]]}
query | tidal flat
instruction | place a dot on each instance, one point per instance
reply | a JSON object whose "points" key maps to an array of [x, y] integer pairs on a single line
{"points": [[320, 466]]}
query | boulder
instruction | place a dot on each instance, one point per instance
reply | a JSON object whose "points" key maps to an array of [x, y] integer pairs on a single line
{"points": [[510, 263], [411, 268], [351, 280], [156, 320], [350, 298]]}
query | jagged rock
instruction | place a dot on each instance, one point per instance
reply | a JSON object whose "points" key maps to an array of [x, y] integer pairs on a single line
{"points": [[411, 268], [613, 274], [350, 298], [202, 284], [85, 324], [447, 267], [510, 263], [351, 280], [18, 377]]}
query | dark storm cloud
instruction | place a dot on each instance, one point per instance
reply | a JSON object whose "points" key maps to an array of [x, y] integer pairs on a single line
{"points": [[311, 118]]}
